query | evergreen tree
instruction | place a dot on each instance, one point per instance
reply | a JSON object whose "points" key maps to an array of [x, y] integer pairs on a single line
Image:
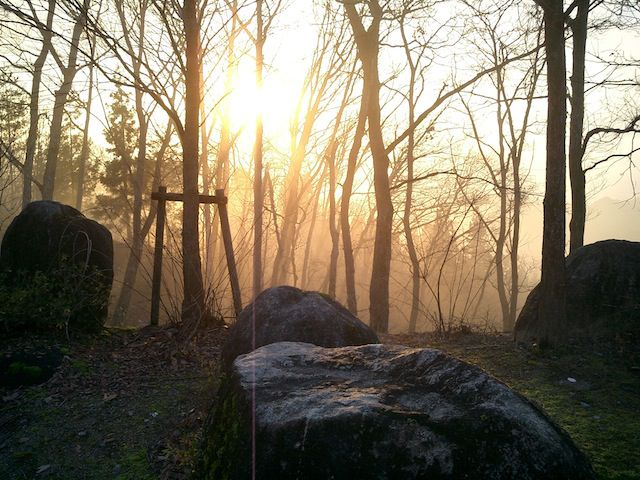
{"points": [[116, 177], [13, 123]]}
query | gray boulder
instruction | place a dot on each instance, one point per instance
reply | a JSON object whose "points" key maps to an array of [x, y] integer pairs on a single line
{"points": [[603, 292], [60, 242], [286, 313], [378, 412]]}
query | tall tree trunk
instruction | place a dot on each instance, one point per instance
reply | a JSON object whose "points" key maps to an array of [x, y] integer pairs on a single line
{"points": [[333, 231], [84, 151], [367, 42], [135, 254], [34, 105], [345, 223], [331, 164], [60, 100], [286, 248], [502, 227], [408, 202], [515, 243], [576, 172], [226, 140], [209, 231], [193, 303], [310, 237], [552, 306], [137, 236], [258, 187]]}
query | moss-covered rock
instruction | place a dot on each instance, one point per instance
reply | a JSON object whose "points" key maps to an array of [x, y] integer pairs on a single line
{"points": [[294, 410], [603, 293], [56, 269], [226, 439]]}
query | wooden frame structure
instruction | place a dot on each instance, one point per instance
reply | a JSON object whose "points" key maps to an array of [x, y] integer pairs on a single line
{"points": [[162, 196]]}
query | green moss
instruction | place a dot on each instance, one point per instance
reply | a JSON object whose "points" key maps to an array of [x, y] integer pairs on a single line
{"points": [[225, 446], [135, 465], [599, 411], [31, 372], [81, 367], [65, 350]]}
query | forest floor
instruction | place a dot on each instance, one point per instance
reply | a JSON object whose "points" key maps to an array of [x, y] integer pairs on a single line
{"points": [[124, 405]]}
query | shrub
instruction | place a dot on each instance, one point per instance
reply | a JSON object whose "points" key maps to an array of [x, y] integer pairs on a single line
{"points": [[64, 297]]}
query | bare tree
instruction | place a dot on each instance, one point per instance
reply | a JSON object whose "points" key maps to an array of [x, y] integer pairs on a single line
{"points": [[135, 53], [552, 307], [368, 46], [60, 99], [347, 189], [83, 158], [258, 186], [413, 64], [514, 86], [46, 30], [576, 174], [330, 55]]}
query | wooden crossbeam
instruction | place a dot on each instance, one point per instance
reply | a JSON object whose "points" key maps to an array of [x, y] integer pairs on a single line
{"points": [[162, 196], [179, 197]]}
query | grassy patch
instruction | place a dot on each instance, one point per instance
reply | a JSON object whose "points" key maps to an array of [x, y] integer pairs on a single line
{"points": [[590, 392], [135, 464]]}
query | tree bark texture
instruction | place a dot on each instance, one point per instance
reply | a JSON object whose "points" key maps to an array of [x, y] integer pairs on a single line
{"points": [[258, 187], [367, 42], [34, 105], [193, 303], [60, 101], [576, 172], [347, 189], [552, 307]]}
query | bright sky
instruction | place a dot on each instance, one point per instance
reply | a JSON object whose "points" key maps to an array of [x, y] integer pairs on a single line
{"points": [[287, 54]]}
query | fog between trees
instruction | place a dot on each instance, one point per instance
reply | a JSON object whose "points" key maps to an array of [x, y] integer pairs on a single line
{"points": [[387, 153]]}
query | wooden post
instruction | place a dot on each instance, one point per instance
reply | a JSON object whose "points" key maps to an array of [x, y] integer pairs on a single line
{"points": [[157, 256], [228, 250], [163, 197]]}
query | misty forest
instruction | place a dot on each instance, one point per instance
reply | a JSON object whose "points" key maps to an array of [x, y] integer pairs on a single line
{"points": [[351, 239]]}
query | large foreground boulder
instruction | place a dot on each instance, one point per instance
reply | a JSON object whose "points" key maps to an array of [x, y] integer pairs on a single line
{"points": [[51, 248], [378, 412], [603, 292], [286, 313]]}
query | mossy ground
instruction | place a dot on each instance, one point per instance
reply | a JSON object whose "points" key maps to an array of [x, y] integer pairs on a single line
{"points": [[122, 406], [127, 406], [590, 390]]}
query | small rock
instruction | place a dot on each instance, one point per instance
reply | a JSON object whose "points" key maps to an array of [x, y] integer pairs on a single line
{"points": [[571, 380], [585, 405], [109, 396], [42, 468], [82, 434], [116, 469]]}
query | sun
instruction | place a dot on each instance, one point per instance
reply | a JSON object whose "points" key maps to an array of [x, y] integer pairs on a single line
{"points": [[276, 101]]}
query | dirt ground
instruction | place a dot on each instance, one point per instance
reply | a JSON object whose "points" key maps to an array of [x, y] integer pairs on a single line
{"points": [[124, 405]]}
